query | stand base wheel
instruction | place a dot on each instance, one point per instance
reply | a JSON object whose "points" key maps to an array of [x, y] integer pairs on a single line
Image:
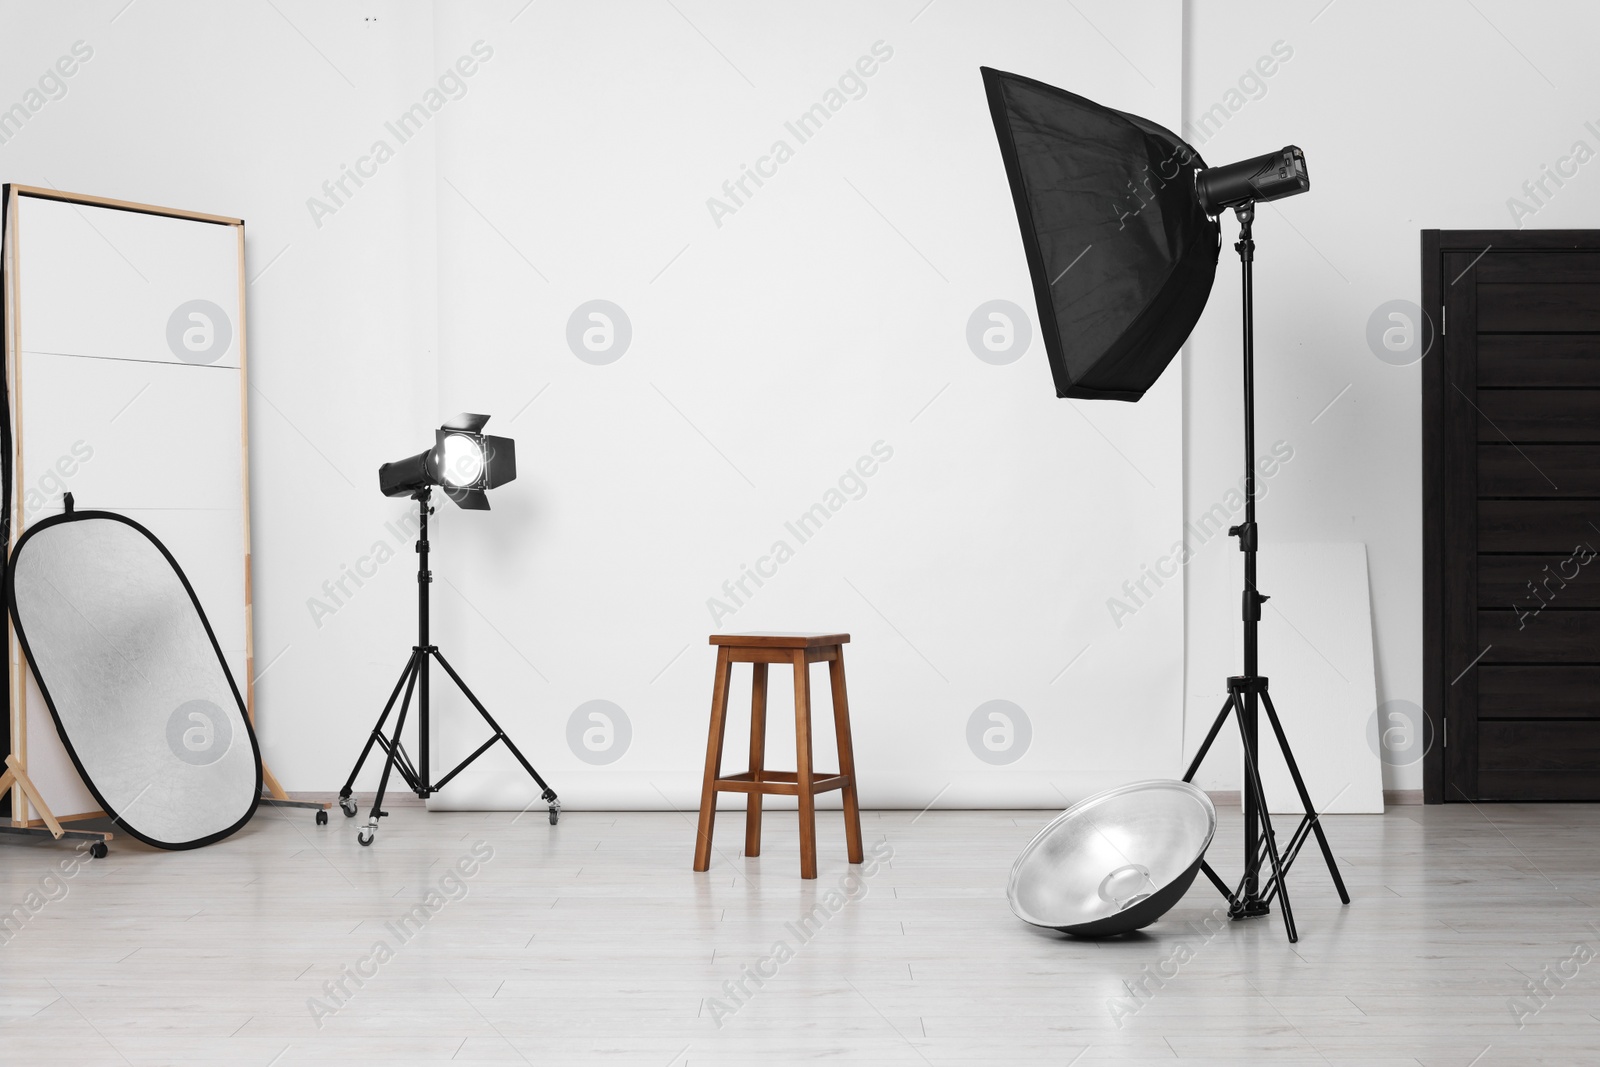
{"points": [[98, 850], [365, 836], [348, 806], [1248, 909], [322, 818]]}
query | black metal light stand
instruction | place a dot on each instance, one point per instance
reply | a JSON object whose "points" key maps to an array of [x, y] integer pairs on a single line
{"points": [[1248, 692], [415, 678]]}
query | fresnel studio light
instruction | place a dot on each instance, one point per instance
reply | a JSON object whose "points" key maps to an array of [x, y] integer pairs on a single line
{"points": [[1118, 222], [464, 463]]}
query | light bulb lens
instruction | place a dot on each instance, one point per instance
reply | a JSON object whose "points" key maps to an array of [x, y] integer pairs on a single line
{"points": [[462, 463]]}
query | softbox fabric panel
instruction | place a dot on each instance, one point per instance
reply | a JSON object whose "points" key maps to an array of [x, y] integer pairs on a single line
{"points": [[134, 679], [1121, 254]]}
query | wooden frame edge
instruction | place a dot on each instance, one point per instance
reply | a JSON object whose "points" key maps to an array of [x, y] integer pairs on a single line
{"points": [[16, 677], [21, 808], [244, 481], [269, 781], [47, 193]]}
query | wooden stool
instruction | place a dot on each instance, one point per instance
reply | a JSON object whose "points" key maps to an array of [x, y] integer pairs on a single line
{"points": [[799, 650]]}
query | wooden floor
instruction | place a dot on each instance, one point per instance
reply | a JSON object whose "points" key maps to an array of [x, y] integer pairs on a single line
{"points": [[593, 942]]}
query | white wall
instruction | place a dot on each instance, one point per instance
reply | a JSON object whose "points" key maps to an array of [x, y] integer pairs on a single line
{"points": [[230, 109], [1412, 116], [769, 352], [584, 151], [826, 315]]}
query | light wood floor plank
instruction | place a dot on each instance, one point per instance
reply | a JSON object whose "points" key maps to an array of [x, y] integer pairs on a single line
{"points": [[594, 942]]}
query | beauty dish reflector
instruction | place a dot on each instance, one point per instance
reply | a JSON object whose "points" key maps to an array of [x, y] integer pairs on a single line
{"points": [[1116, 861], [134, 678], [1120, 251]]}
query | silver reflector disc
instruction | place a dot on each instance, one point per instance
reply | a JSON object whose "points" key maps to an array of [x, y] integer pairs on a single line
{"points": [[134, 679], [1116, 861]]}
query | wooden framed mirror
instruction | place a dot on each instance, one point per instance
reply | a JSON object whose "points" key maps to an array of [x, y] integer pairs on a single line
{"points": [[126, 385]]}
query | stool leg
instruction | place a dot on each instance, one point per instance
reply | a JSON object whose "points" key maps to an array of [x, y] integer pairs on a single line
{"points": [[708, 792], [847, 756], [758, 757], [802, 752]]}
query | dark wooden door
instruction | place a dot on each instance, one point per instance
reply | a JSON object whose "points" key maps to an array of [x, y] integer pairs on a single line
{"points": [[1511, 514]]}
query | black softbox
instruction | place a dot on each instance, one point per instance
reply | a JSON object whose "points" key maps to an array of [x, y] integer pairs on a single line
{"points": [[1121, 253]]}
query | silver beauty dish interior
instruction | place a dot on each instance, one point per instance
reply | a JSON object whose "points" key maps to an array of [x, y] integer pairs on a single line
{"points": [[1116, 861]]}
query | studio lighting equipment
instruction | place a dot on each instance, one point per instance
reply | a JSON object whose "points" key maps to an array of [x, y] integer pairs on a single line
{"points": [[1121, 253], [1117, 216], [1114, 862], [1251, 181], [464, 463]]}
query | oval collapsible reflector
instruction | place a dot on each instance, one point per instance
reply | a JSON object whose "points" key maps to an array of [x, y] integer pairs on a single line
{"points": [[1116, 861], [134, 678]]}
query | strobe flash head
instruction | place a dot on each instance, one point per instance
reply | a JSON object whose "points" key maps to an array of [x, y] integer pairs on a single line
{"points": [[1269, 177], [464, 462]]}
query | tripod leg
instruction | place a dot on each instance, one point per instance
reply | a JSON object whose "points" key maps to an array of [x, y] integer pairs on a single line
{"points": [[500, 735], [1305, 797], [377, 731], [366, 835], [1205, 746], [1253, 777], [1222, 887], [1194, 765]]}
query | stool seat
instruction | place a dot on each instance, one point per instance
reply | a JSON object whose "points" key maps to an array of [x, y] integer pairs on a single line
{"points": [[799, 650], [779, 639]]}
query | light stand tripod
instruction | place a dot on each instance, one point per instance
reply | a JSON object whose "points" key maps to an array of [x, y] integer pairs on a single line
{"points": [[1248, 690], [415, 676]]}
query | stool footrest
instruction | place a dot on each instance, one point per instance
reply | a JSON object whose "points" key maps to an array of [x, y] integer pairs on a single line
{"points": [[777, 783]]}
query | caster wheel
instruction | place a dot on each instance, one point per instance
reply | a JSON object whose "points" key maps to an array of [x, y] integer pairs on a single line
{"points": [[365, 837], [348, 806], [98, 850], [322, 818], [555, 814]]}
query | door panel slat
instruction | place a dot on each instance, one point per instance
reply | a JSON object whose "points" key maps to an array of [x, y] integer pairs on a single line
{"points": [[1509, 692], [1530, 470], [1564, 582], [1548, 636], [1542, 526], [1538, 307], [1538, 415], [1538, 760], [1539, 359]]}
